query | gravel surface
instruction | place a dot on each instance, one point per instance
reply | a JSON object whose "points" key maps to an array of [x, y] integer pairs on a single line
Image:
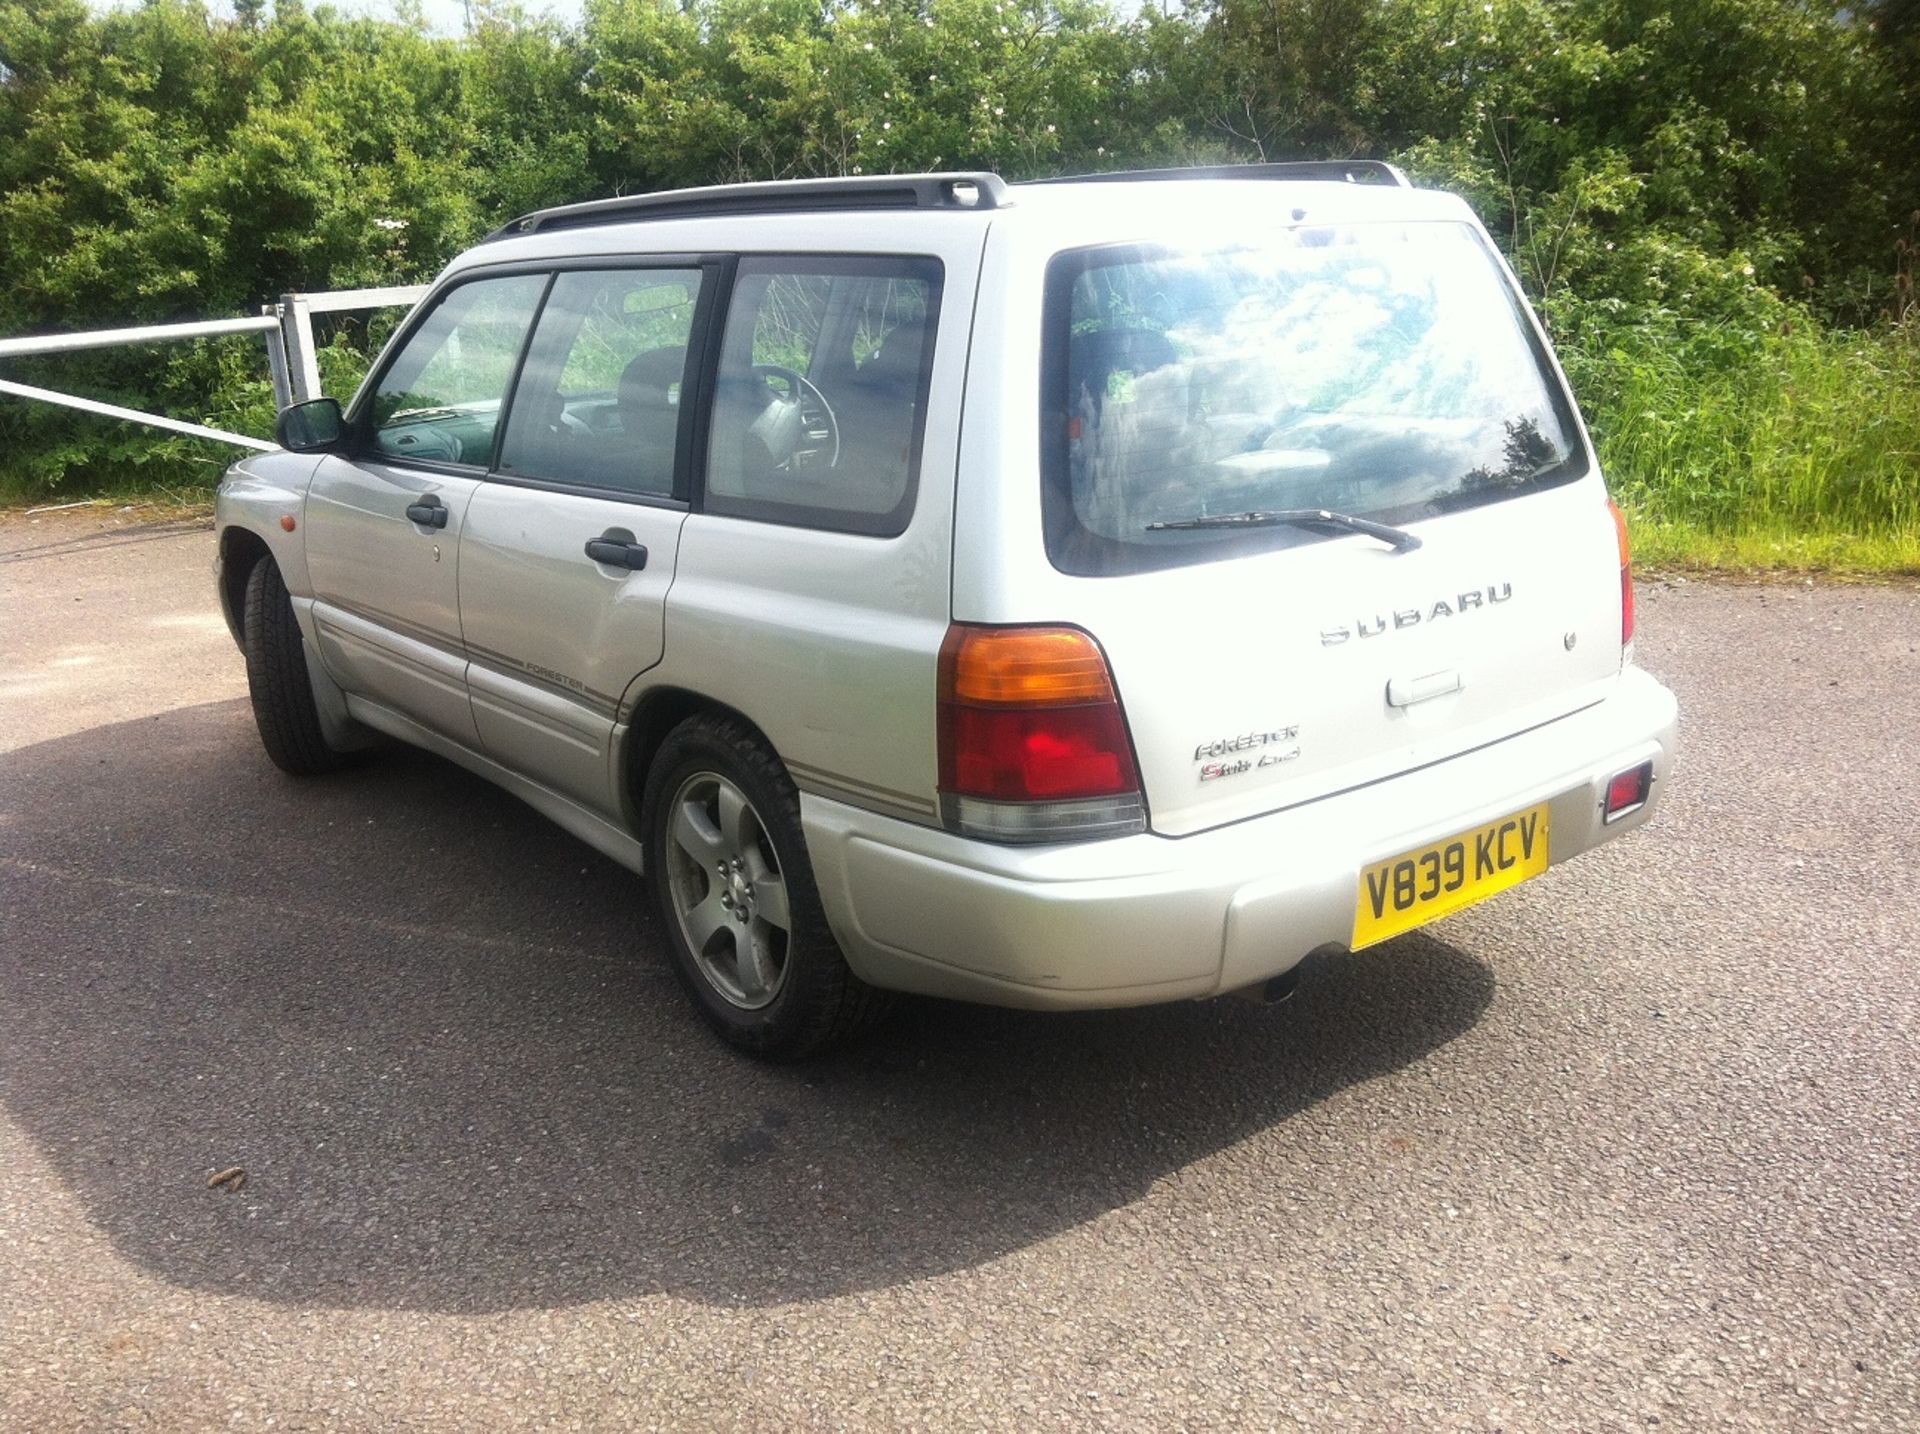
{"points": [[1632, 1146]]}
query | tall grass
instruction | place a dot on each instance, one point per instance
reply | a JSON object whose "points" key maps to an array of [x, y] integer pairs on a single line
{"points": [[1803, 443]]}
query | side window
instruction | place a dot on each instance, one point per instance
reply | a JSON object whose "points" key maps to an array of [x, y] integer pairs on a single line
{"points": [[820, 398], [598, 402], [789, 319], [440, 398]]}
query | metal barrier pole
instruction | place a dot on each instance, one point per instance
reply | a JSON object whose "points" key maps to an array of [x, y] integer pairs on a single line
{"points": [[291, 355], [133, 415], [277, 359], [296, 332], [114, 338], [336, 301]]}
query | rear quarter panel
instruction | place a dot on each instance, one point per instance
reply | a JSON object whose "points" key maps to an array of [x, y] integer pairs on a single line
{"points": [[829, 642]]}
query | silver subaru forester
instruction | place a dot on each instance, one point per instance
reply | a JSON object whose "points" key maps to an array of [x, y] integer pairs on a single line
{"points": [[1083, 593]]}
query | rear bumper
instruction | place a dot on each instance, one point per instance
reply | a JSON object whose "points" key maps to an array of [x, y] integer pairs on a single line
{"points": [[1150, 918]]}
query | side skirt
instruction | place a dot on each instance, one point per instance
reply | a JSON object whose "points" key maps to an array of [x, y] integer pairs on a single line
{"points": [[596, 831]]}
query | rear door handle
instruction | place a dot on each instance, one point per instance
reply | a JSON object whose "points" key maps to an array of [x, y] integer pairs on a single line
{"points": [[428, 512], [617, 553]]}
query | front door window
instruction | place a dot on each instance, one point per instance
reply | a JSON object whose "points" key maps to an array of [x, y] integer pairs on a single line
{"points": [[440, 398]]}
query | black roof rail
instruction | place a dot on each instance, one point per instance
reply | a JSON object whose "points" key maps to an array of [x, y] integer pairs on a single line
{"points": [[781, 196], [1345, 171]]}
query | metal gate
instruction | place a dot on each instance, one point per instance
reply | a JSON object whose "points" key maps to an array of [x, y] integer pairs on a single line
{"points": [[291, 356]]}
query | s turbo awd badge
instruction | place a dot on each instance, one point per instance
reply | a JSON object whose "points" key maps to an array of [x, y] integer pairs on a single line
{"points": [[1247, 752]]}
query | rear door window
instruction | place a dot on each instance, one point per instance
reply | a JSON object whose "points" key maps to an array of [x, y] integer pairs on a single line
{"points": [[598, 401], [820, 398]]}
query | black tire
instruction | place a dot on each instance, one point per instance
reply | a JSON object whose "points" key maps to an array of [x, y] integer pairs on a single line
{"points": [[813, 1000], [277, 679]]}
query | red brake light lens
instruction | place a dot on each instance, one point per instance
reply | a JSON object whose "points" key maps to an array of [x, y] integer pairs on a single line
{"points": [[1052, 754]]}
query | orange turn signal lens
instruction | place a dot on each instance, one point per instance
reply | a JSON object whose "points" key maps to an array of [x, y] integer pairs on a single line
{"points": [[1022, 667]]}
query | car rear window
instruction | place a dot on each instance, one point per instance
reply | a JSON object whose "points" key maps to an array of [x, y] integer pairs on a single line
{"points": [[1386, 371]]}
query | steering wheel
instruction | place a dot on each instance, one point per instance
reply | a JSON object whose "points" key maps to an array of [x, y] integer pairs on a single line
{"points": [[819, 430]]}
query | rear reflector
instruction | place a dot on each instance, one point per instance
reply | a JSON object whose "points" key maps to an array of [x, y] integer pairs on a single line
{"points": [[1033, 744], [1627, 792], [1626, 574]]}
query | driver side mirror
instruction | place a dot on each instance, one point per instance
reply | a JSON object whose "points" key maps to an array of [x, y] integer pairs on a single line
{"points": [[313, 426]]}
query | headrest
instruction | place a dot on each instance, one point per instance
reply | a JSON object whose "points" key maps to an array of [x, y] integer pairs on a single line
{"points": [[897, 361], [648, 377]]}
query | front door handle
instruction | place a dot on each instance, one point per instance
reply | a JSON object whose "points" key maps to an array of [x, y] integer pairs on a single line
{"points": [[617, 552], [428, 512]]}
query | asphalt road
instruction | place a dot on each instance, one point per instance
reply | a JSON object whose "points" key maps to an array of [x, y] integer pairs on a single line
{"points": [[1633, 1145]]}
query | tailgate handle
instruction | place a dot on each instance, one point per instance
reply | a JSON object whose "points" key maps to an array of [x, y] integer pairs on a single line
{"points": [[1405, 691]]}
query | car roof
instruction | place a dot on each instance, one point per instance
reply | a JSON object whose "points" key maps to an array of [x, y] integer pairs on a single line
{"points": [[1044, 216]]}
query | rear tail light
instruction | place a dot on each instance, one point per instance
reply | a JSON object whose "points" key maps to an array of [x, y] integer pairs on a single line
{"points": [[1626, 575], [1627, 792], [1033, 744]]}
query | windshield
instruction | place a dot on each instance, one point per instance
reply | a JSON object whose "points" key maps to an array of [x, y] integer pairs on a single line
{"points": [[1383, 371]]}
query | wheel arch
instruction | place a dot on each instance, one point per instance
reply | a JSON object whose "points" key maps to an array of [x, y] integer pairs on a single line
{"points": [[657, 712], [240, 549], [260, 508]]}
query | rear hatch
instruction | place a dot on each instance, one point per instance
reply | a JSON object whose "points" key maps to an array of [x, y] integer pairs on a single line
{"points": [[1256, 683], [1383, 371]]}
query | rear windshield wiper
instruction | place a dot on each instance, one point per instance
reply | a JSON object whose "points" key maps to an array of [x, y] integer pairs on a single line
{"points": [[1399, 538]]}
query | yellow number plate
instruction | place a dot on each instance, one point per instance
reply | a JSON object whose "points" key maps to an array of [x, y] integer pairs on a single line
{"points": [[1429, 882]]}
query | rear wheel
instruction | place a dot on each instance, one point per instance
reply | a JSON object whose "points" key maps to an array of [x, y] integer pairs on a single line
{"points": [[277, 678], [743, 919]]}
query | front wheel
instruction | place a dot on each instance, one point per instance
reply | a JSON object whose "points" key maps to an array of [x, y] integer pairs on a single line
{"points": [[743, 919], [278, 680]]}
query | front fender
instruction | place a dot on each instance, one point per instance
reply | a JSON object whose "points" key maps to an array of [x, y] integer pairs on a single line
{"points": [[254, 496]]}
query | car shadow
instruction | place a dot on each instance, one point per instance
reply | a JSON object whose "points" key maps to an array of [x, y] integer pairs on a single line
{"points": [[439, 1038]]}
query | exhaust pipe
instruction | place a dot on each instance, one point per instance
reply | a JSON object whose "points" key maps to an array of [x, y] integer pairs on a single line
{"points": [[1273, 991]]}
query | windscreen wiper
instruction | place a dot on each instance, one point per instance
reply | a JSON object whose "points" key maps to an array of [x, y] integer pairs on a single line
{"points": [[1398, 538]]}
